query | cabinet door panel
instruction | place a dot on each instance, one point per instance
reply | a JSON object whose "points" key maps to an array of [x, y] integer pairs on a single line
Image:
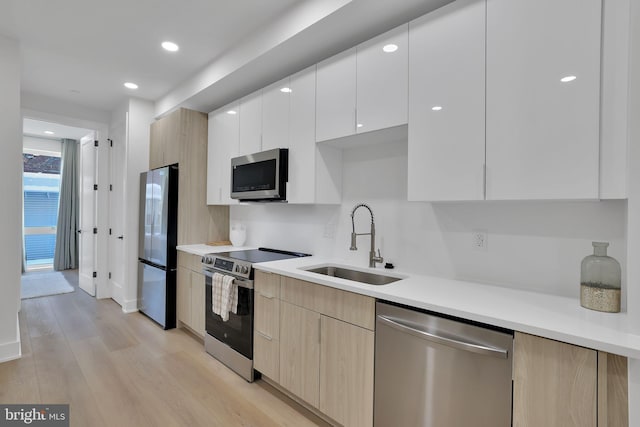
{"points": [[183, 295], [197, 302], [382, 81], [336, 96], [346, 373], [250, 124], [542, 133], [302, 142], [275, 115], [554, 383], [300, 352], [447, 72], [223, 145]]}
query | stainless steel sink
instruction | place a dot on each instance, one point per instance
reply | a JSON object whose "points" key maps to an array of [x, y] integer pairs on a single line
{"points": [[355, 275]]}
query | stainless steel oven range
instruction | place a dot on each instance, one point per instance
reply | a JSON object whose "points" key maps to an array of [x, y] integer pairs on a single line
{"points": [[231, 341]]}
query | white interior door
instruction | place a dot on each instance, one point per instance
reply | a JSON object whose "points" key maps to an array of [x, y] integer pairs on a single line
{"points": [[88, 201], [117, 195]]}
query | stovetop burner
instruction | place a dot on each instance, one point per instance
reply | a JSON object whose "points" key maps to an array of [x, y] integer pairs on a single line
{"points": [[241, 262]]}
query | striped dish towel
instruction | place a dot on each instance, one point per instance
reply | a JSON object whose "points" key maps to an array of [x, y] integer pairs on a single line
{"points": [[224, 295]]}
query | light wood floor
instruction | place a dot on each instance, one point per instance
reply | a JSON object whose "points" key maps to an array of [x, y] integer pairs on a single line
{"points": [[117, 369]]}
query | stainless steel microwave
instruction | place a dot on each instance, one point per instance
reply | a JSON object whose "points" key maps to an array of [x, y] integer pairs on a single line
{"points": [[260, 176]]}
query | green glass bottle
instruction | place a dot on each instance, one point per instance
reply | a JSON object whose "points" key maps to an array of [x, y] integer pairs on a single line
{"points": [[600, 280]]}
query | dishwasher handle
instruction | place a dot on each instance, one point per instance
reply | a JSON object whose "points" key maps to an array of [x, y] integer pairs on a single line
{"points": [[461, 345]]}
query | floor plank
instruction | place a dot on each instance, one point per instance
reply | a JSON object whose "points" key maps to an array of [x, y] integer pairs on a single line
{"points": [[123, 369]]}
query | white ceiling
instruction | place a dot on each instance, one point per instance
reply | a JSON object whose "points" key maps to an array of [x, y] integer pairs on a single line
{"points": [[37, 128], [82, 51]]}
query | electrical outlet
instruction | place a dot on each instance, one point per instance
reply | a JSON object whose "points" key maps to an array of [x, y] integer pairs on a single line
{"points": [[479, 240]]}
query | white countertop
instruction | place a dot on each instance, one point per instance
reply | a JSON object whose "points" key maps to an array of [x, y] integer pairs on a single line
{"points": [[203, 249], [550, 316]]}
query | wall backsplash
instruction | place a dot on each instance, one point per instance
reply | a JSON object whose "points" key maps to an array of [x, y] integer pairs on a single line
{"points": [[531, 245]]}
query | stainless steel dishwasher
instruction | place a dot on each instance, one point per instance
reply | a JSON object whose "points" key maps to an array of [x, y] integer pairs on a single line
{"points": [[433, 371]]}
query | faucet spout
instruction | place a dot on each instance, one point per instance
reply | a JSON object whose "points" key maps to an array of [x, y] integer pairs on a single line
{"points": [[372, 253]]}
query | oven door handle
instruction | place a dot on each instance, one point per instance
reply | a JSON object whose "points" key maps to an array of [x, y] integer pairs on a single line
{"points": [[239, 281]]}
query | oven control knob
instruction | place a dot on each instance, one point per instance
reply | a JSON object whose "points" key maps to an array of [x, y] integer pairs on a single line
{"points": [[245, 269], [237, 269], [207, 259]]}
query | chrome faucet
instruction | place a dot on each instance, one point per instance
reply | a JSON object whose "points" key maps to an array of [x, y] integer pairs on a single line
{"points": [[373, 259]]}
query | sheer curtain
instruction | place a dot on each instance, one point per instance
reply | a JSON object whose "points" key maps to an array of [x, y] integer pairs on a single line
{"points": [[66, 253]]}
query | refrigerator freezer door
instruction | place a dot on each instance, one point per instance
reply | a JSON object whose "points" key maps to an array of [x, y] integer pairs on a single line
{"points": [[152, 292]]}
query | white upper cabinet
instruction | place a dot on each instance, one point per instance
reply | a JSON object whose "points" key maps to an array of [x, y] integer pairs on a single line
{"points": [[275, 115], [315, 170], [446, 146], [224, 130], [250, 124], [363, 88], [382, 81], [336, 96], [543, 99]]}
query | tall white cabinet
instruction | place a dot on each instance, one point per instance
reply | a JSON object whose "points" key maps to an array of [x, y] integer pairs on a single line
{"points": [[446, 103], [543, 99], [224, 136]]}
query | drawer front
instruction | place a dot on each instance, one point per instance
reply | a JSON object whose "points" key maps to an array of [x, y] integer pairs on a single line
{"points": [[347, 306], [266, 356], [184, 260], [267, 316], [195, 263], [267, 284]]}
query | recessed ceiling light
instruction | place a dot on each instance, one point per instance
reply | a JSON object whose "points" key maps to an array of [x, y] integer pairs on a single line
{"points": [[390, 48], [436, 108], [48, 132], [232, 112], [130, 85], [170, 46], [286, 90], [359, 125], [568, 79]]}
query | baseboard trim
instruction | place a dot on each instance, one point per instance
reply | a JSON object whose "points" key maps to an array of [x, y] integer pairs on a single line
{"points": [[130, 306], [12, 350]]}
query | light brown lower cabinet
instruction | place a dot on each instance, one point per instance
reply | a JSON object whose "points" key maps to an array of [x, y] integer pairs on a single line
{"points": [[324, 341], [190, 293], [346, 372], [556, 384], [300, 352]]}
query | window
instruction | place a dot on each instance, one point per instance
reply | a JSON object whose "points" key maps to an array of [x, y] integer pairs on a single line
{"points": [[41, 186]]}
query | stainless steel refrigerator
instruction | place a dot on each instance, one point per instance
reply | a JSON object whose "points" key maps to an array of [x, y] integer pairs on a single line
{"points": [[157, 245]]}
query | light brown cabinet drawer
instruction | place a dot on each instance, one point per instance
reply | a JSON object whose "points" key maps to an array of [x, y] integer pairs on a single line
{"points": [[190, 261], [347, 306], [267, 284], [266, 355]]}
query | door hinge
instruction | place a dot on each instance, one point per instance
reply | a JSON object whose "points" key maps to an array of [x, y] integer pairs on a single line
{"points": [[110, 187], [95, 143], [95, 274], [109, 275], [110, 142], [95, 187], [95, 230], [109, 232]]}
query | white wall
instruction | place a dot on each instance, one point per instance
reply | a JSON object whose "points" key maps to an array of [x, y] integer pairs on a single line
{"points": [[531, 245], [140, 117], [10, 194], [36, 102]]}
